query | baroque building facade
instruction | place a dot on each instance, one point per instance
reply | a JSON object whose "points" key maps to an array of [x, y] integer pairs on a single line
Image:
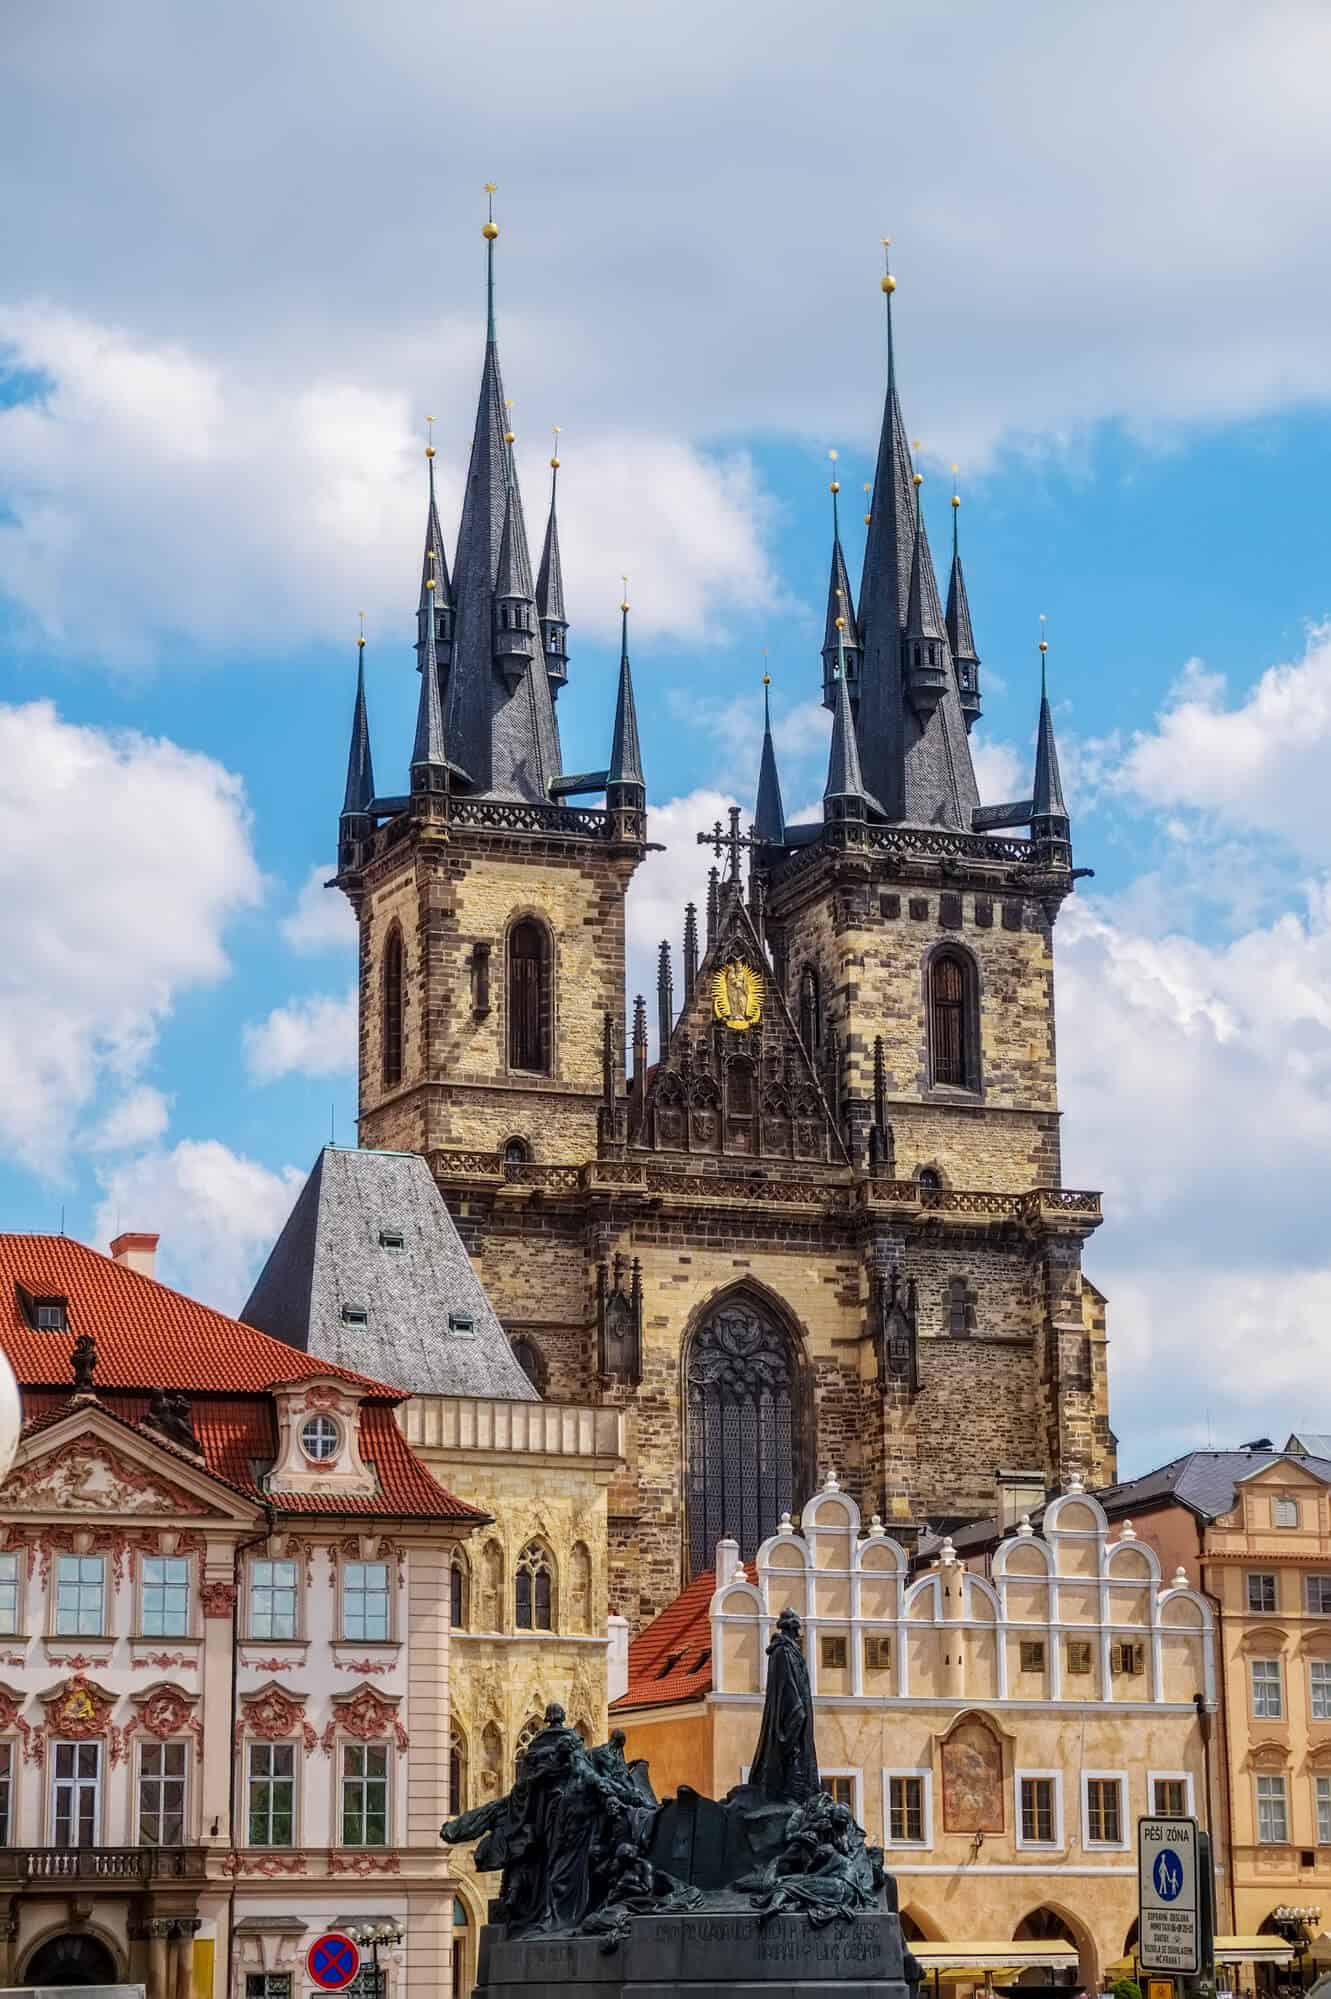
{"points": [[827, 1222]]}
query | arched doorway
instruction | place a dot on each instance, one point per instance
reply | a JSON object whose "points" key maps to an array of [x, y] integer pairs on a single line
{"points": [[1046, 1925], [745, 1447], [72, 1958]]}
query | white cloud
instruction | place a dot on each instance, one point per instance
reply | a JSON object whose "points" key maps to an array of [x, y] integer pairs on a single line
{"points": [[217, 1212], [321, 922], [314, 1036], [138, 1118], [1001, 773], [121, 861]]}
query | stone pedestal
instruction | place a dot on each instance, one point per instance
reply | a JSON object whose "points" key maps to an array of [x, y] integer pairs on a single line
{"points": [[721, 1954]]}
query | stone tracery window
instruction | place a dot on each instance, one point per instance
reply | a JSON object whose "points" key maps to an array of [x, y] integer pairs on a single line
{"points": [[744, 1466], [458, 1590], [526, 1736], [457, 1771], [953, 1021], [393, 981], [528, 997], [533, 1589]]}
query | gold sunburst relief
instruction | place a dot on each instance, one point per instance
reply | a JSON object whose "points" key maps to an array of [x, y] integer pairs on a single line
{"points": [[737, 995]]}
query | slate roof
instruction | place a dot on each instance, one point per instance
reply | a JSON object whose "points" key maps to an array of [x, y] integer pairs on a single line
{"points": [[149, 1336], [671, 1660], [330, 1256], [1309, 1443]]}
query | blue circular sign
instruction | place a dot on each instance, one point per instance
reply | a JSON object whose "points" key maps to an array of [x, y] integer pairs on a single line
{"points": [[333, 1961], [1167, 1875]]}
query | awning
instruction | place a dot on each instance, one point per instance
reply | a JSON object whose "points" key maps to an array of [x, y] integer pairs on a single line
{"points": [[962, 1958], [1253, 1950]]}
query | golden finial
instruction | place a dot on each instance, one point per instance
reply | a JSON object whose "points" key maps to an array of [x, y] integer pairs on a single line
{"points": [[888, 282], [835, 486], [554, 456], [868, 495], [360, 643], [767, 680], [841, 624], [1044, 646], [625, 604], [429, 437], [956, 497], [509, 434], [490, 228], [917, 478]]}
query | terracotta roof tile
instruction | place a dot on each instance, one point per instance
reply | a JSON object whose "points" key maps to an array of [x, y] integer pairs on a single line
{"points": [[671, 1660]]}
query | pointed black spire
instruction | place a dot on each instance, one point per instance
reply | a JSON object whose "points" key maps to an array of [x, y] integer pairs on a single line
{"points": [[960, 637], [434, 563], [355, 824], [769, 818], [713, 901], [844, 792], [690, 949], [500, 718], [550, 593], [625, 754], [665, 996], [639, 1045], [840, 604], [1049, 813], [429, 759], [924, 641]]}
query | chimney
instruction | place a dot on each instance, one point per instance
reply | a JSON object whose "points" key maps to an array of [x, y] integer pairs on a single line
{"points": [[135, 1252]]}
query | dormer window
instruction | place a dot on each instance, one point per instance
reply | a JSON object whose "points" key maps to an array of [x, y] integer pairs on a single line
{"points": [[392, 1239], [355, 1315], [462, 1325], [320, 1439], [45, 1311]]}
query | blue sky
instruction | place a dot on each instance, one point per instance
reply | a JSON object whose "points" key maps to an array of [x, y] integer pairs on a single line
{"points": [[223, 316]]}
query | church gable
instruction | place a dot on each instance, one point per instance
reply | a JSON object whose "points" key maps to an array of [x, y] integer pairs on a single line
{"points": [[88, 1473], [734, 1080]]}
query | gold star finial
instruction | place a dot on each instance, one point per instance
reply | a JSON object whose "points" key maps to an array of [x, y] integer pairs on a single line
{"points": [[554, 455], [625, 603], [490, 228], [1044, 644], [887, 281], [360, 642], [429, 437], [868, 495], [956, 497]]}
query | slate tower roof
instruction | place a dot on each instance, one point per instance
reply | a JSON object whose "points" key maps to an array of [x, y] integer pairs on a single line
{"points": [[370, 1273]]}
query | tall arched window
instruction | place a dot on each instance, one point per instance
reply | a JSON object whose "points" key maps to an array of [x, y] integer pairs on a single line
{"points": [[526, 1736], [954, 1049], [811, 1012], [457, 1771], [744, 1436], [533, 1589], [528, 997], [529, 1360], [393, 983], [458, 1580]]}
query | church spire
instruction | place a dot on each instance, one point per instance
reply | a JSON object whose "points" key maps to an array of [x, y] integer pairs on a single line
{"points": [[625, 754], [839, 604], [769, 818], [924, 641], [1049, 813], [429, 760], [499, 717], [355, 824], [550, 591], [960, 637], [434, 562], [844, 792]]}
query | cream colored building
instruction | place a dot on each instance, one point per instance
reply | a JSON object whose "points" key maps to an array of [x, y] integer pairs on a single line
{"points": [[998, 1736]]}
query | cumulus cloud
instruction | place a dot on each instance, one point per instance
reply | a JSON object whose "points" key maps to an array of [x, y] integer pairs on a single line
{"points": [[313, 1036], [321, 922], [138, 1118], [217, 1212], [122, 859]]}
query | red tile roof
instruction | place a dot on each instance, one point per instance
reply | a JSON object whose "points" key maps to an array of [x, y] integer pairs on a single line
{"points": [[149, 1336], [672, 1659]]}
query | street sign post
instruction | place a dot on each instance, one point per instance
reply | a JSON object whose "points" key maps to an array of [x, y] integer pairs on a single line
{"points": [[333, 1961], [1174, 1900]]}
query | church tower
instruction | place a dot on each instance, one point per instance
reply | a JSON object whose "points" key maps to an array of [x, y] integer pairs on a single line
{"points": [[826, 1227]]}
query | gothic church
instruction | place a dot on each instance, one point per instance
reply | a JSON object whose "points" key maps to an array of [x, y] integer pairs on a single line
{"points": [[827, 1227]]}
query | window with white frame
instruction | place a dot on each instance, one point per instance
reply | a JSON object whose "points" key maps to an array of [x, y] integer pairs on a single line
{"points": [[1037, 1798], [11, 1592], [364, 1819], [80, 1595], [1319, 1689], [1272, 1811], [907, 1808], [365, 1600], [1322, 1797], [320, 1439], [1285, 1512], [7, 1761], [271, 1794], [162, 1767], [1317, 1595], [1171, 1796], [1261, 1592], [76, 1793], [1268, 1700], [272, 1600], [164, 1609], [1105, 1817]]}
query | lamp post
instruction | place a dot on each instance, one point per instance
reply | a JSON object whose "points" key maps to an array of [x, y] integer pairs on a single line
{"points": [[1297, 1926], [369, 1936]]}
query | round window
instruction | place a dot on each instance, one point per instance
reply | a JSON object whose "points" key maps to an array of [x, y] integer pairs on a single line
{"points": [[320, 1438]]}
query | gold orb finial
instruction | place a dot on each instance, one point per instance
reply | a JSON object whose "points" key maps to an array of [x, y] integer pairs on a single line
{"points": [[841, 624], [510, 437], [429, 437], [360, 642], [490, 228], [624, 606], [1044, 647], [554, 456], [767, 680], [868, 494], [887, 281], [917, 478]]}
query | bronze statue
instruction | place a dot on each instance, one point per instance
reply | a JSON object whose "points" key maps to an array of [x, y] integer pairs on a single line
{"points": [[785, 1763]]}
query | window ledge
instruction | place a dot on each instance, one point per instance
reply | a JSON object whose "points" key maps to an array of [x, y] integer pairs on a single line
{"points": [[190, 1643], [367, 1644], [61, 1642]]}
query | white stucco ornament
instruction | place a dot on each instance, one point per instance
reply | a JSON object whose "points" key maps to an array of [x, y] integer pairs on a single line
{"points": [[11, 1416]]}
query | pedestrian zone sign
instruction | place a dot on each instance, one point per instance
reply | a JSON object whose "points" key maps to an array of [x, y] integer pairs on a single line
{"points": [[1169, 1894]]}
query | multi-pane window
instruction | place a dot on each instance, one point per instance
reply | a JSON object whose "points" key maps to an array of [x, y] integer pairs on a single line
{"points": [[165, 1596], [11, 1578], [364, 1794], [1285, 1512], [949, 1022], [1104, 1811], [6, 1790], [1268, 1702], [841, 1790], [162, 1793], [1272, 1811], [906, 1810], [1127, 1658], [1079, 1655], [1169, 1797], [1319, 1688], [76, 1785], [528, 996], [1038, 1821], [1261, 1592], [268, 1985], [1317, 1595], [365, 1600], [320, 1438], [80, 1594], [1032, 1655], [272, 1600], [271, 1803], [831, 1652], [1324, 1811], [532, 1592]]}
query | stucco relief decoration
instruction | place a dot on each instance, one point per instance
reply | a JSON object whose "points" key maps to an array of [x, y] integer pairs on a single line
{"points": [[163, 1661], [163, 1712], [273, 1714], [326, 1399], [360, 1665], [972, 1779], [11, 1703], [366, 1715], [81, 1661], [369, 1548], [363, 1864], [267, 1865], [737, 995], [110, 1541], [78, 1711], [219, 1599], [88, 1474]]}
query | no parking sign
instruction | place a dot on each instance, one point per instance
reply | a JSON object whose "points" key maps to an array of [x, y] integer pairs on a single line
{"points": [[333, 1961]]}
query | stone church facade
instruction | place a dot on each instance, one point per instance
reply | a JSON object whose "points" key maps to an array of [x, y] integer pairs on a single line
{"points": [[827, 1224]]}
